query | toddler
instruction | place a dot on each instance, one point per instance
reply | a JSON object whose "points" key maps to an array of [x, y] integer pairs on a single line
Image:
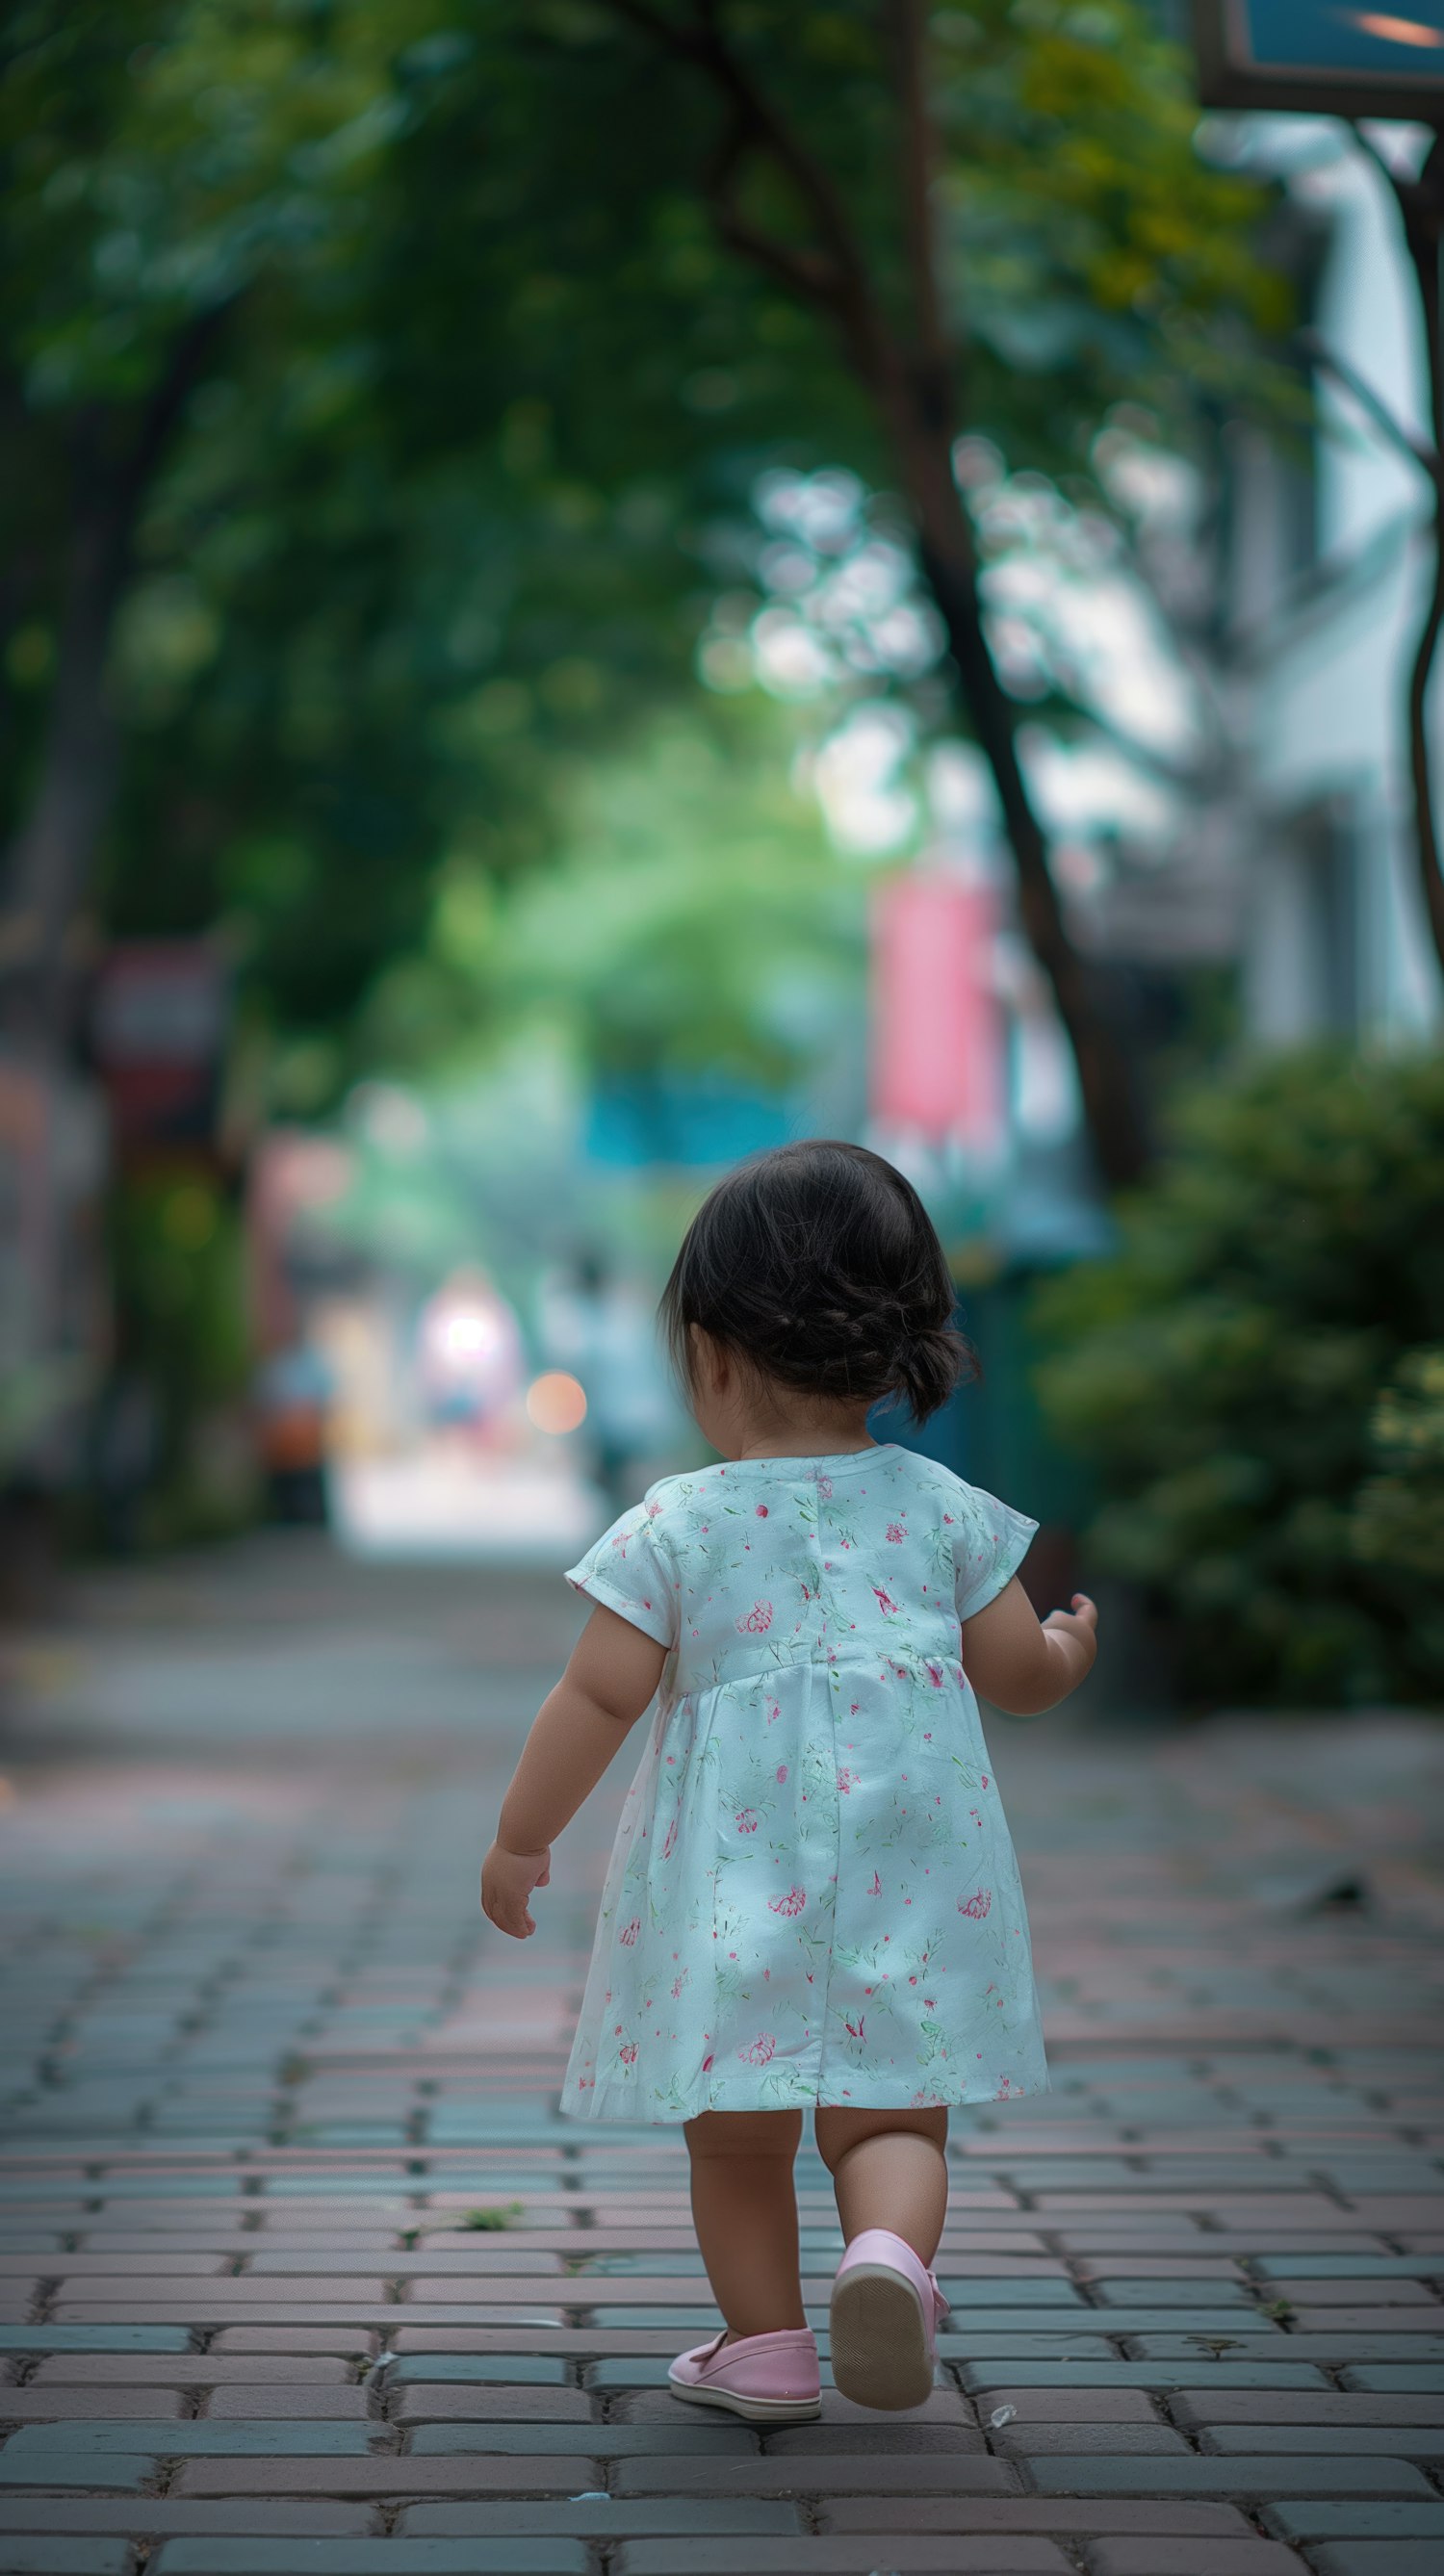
{"points": [[813, 1900]]}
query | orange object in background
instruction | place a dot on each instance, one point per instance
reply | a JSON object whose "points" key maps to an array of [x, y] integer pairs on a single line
{"points": [[556, 1402]]}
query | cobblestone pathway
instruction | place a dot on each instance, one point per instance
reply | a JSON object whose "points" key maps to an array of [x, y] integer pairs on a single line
{"points": [[301, 2270]]}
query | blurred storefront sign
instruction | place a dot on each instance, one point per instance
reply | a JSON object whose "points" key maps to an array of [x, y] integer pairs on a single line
{"points": [[679, 1122], [159, 1029], [294, 1177], [938, 1067], [1322, 59]]}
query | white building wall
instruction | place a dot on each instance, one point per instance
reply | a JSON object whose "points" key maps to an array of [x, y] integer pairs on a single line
{"points": [[1322, 651]]}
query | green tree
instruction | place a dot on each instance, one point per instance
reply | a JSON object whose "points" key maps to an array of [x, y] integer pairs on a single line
{"points": [[995, 219], [166, 171], [374, 459]]}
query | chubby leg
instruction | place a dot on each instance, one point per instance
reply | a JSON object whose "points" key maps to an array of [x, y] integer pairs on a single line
{"points": [[889, 2169], [745, 2212]]}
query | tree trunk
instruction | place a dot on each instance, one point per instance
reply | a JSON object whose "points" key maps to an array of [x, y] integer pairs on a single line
{"points": [[918, 397], [1111, 1107], [50, 860], [1422, 207]]}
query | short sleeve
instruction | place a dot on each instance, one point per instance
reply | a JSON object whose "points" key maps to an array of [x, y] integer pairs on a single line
{"points": [[990, 1541], [629, 1571]]}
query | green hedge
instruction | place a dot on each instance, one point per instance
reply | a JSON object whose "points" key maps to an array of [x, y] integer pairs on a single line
{"points": [[1258, 1379]]}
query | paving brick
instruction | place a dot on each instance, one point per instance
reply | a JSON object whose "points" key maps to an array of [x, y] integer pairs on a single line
{"points": [[1346, 2268], [93, 2338], [834, 2556], [434, 2402], [1163, 2517], [123, 2472], [1395, 2378], [1300, 2518], [153, 2517], [610, 2518], [192, 2438], [341, 2341], [1191, 2558], [1025, 2440], [57, 2405], [393, 2476], [906, 2473], [291, 2398], [1362, 2294], [1196, 2407], [725, 2437], [1376, 2558], [1185, 2372], [1072, 2405], [186, 2370], [38, 2557], [402, 2557], [534, 2369], [1343, 2441], [1261, 2474]]}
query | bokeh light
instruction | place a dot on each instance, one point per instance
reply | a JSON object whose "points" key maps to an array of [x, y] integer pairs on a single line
{"points": [[556, 1402]]}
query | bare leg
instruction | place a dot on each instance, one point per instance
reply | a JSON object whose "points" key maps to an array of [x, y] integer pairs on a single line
{"points": [[888, 2169], [745, 2211]]}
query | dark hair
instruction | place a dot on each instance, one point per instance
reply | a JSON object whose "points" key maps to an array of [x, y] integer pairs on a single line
{"points": [[819, 1266]]}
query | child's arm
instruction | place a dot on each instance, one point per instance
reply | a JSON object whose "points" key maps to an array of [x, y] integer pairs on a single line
{"points": [[612, 1675], [1023, 1667]]}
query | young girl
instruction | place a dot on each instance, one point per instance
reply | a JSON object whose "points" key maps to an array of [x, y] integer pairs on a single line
{"points": [[813, 1900]]}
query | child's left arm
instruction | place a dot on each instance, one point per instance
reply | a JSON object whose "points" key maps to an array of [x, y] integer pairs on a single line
{"points": [[613, 1674]]}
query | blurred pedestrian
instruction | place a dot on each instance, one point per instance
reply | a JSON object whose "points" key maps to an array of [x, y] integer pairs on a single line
{"points": [[293, 1400], [470, 1360], [813, 1901], [598, 1327]]}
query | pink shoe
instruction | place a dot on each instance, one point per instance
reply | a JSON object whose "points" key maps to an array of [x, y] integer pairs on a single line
{"points": [[763, 2377], [886, 2308]]}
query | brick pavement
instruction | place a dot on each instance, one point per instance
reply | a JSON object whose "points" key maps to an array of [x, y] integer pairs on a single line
{"points": [[299, 2268]]}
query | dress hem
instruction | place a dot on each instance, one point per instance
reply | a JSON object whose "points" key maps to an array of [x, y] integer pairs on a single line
{"points": [[620, 2112]]}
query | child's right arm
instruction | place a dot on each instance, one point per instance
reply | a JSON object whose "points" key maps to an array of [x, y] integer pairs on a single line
{"points": [[1024, 1666], [612, 1676]]}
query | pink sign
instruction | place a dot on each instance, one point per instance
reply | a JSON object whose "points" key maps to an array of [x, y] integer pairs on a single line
{"points": [[937, 1036]]}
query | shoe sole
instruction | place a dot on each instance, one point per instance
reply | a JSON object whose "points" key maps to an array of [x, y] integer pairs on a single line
{"points": [[881, 2356], [754, 2410]]}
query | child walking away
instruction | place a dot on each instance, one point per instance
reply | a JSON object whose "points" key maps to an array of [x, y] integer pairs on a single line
{"points": [[813, 1901]]}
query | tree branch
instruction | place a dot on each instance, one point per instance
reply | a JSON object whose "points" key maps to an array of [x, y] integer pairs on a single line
{"points": [[51, 855], [919, 164], [663, 31], [1315, 347], [805, 272], [914, 395], [835, 277], [1421, 208]]}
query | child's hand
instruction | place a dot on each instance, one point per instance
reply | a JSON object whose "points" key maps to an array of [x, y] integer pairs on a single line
{"points": [[507, 1880], [1080, 1627]]}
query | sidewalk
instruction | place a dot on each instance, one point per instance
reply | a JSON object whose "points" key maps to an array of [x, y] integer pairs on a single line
{"points": [[301, 2270]]}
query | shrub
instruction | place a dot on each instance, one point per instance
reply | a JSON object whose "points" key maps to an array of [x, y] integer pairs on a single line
{"points": [[1251, 1375], [1398, 1515]]}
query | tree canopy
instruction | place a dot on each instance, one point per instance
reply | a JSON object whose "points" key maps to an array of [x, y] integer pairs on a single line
{"points": [[383, 387]]}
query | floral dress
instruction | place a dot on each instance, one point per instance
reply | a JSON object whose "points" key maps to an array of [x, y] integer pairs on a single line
{"points": [[813, 1897]]}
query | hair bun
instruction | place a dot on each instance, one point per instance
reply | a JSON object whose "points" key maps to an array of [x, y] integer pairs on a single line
{"points": [[819, 1266]]}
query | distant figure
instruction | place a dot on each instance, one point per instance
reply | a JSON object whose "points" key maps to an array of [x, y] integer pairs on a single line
{"points": [[470, 1360], [126, 1450], [293, 1394], [603, 1332], [813, 1902]]}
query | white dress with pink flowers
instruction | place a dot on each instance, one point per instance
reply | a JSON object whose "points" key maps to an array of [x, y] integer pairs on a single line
{"points": [[813, 1895]]}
